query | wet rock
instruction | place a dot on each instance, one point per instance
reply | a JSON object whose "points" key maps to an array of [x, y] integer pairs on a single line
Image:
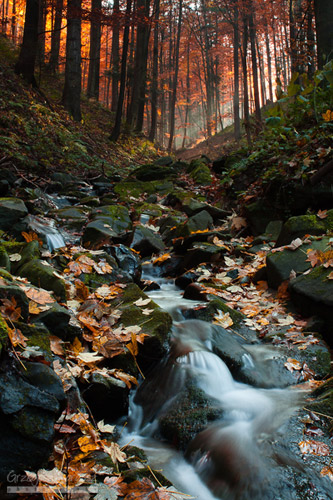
{"points": [[4, 187], [313, 295], [164, 161], [108, 222], [299, 226], [201, 253], [181, 245], [147, 242], [8, 175], [280, 264], [193, 206], [127, 260], [11, 211], [195, 292], [135, 189], [57, 319], [212, 309], [29, 251], [186, 279], [192, 411], [42, 275], [38, 340], [29, 407], [71, 217], [105, 391]]}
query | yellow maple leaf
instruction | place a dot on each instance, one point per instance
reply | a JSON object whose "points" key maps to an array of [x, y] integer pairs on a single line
{"points": [[328, 116]]}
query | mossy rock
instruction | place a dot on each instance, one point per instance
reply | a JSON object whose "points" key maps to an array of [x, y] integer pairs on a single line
{"points": [[42, 275], [192, 412], [259, 214], [10, 291], [4, 259], [313, 295], [6, 275], [202, 175], [197, 162], [29, 252], [90, 201], [299, 226], [57, 321], [154, 172], [38, 336], [280, 264], [157, 324], [323, 399], [147, 242], [109, 221], [149, 209], [201, 221], [3, 333], [34, 423], [136, 189], [215, 305]]}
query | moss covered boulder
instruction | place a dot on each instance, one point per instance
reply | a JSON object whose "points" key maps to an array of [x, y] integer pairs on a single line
{"points": [[147, 242], [153, 172], [155, 322], [214, 307], [11, 291], [11, 211], [299, 226], [4, 259], [41, 274], [280, 264], [313, 295], [110, 221], [135, 189]]}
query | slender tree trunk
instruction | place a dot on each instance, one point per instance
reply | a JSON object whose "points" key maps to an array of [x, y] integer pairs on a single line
{"points": [[116, 129], [245, 79], [71, 97], [236, 74], [143, 71], [252, 32], [55, 37], [324, 28], [94, 49], [41, 32], [25, 65], [13, 24], [269, 63], [187, 91], [175, 80], [261, 73], [310, 40], [115, 57], [154, 84]]}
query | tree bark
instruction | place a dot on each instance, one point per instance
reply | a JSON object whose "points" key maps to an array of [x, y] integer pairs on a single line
{"points": [[175, 79], [71, 97], [25, 65], [324, 29], [154, 84], [94, 49], [236, 74], [116, 129], [115, 57], [55, 37], [252, 32]]}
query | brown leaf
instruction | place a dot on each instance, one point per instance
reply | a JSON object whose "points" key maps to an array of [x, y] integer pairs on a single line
{"points": [[145, 490], [16, 337], [314, 447], [56, 345], [292, 364], [162, 258], [312, 257], [102, 267], [322, 214], [31, 236], [34, 308], [10, 310], [238, 222], [38, 295], [327, 471], [114, 451]]}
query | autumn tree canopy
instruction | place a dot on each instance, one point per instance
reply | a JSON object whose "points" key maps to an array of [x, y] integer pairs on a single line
{"points": [[177, 70]]}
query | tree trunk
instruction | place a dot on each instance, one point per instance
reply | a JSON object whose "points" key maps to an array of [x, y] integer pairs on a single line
{"points": [[252, 32], [324, 28], [175, 80], [13, 24], [246, 87], [154, 83], [71, 97], [116, 129], [115, 57], [41, 32], [55, 37], [25, 65], [94, 49], [236, 74]]}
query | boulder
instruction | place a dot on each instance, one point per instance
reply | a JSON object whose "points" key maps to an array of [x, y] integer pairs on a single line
{"points": [[201, 253], [109, 222], [11, 211], [280, 264], [127, 260], [57, 319], [41, 274], [154, 172], [259, 214], [30, 403], [299, 226], [147, 242], [10, 291], [313, 295]]}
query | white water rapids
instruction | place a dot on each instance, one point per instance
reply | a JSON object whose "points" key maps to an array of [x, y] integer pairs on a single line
{"points": [[226, 455]]}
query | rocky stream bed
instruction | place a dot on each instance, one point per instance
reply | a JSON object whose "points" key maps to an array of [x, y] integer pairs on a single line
{"points": [[82, 265]]}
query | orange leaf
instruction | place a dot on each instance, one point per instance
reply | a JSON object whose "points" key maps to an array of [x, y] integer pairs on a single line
{"points": [[314, 447], [31, 236], [327, 471], [16, 337], [162, 258], [322, 214], [145, 490], [56, 345], [238, 222], [40, 296], [10, 310], [87, 444]]}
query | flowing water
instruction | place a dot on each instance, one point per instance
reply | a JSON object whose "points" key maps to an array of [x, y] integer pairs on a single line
{"points": [[235, 458]]}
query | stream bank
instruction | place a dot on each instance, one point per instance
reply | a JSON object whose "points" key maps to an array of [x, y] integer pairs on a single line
{"points": [[86, 315]]}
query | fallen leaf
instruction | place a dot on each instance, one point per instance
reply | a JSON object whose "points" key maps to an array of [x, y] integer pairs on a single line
{"points": [[327, 471], [142, 302], [223, 319], [295, 244], [34, 308], [314, 448], [90, 357], [162, 258], [87, 444], [53, 477], [322, 214], [114, 451], [145, 490], [16, 337], [15, 257], [292, 364], [238, 222], [10, 309], [38, 295], [56, 345], [107, 428]]}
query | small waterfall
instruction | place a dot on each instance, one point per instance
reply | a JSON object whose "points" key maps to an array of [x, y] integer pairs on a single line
{"points": [[46, 229]]}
